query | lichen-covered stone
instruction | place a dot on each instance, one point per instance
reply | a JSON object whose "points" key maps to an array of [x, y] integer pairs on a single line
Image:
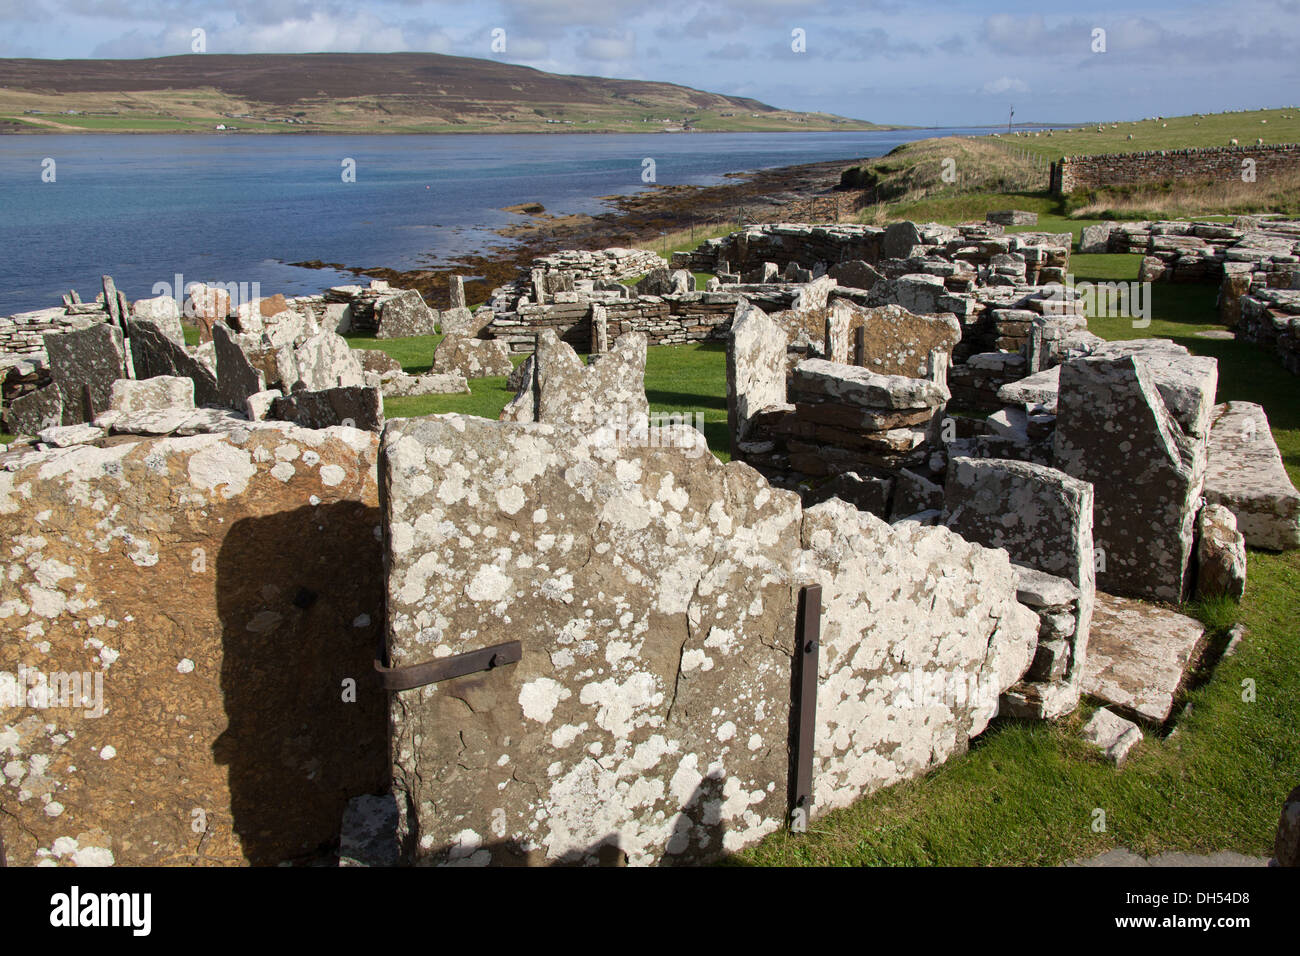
{"points": [[35, 411], [850, 385], [563, 391], [654, 591], [1114, 431], [154, 354], [1112, 735], [164, 313], [1043, 518], [1220, 554], [151, 394], [403, 314], [1139, 655], [895, 341], [1245, 474], [325, 360], [921, 633], [755, 368], [472, 358], [84, 364], [208, 590]]}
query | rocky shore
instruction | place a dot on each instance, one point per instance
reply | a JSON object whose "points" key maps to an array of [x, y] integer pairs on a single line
{"points": [[783, 193]]}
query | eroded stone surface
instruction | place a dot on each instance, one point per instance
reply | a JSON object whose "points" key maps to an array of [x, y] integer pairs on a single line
{"points": [[403, 314], [1220, 554], [1245, 473], [1138, 655], [154, 354], [895, 341], [84, 364], [472, 358], [144, 567], [654, 591], [755, 368], [354, 407], [151, 394], [1113, 430], [1112, 735]]}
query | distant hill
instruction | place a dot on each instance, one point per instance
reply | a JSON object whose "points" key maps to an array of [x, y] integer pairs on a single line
{"points": [[362, 92]]}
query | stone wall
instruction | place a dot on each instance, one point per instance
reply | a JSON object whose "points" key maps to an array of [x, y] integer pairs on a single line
{"points": [[218, 594], [654, 592], [1125, 169]]}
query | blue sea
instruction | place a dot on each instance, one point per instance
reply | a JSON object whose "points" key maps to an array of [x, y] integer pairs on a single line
{"points": [[239, 208]]}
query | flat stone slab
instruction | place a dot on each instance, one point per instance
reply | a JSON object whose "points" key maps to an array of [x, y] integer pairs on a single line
{"points": [[1041, 388], [1138, 655], [851, 385], [1245, 474]]}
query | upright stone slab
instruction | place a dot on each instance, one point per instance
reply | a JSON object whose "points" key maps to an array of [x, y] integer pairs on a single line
{"points": [[651, 591], [921, 632], [404, 314], [84, 364], [325, 360], [35, 411], [237, 378], [755, 368], [599, 329], [215, 599], [472, 358], [610, 391], [1114, 431], [1043, 518], [207, 305], [153, 354], [895, 341], [456, 292], [163, 312], [1246, 475]]}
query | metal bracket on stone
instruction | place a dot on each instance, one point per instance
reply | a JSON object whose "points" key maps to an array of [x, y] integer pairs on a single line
{"points": [[808, 633], [445, 668]]}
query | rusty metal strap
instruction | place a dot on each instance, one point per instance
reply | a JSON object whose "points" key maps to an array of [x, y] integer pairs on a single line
{"points": [[445, 668], [808, 643]]}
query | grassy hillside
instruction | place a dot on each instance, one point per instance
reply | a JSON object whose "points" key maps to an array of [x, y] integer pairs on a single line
{"points": [[362, 93], [909, 181], [1168, 132]]}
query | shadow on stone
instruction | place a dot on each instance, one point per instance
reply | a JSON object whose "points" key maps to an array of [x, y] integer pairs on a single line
{"points": [[300, 598]]}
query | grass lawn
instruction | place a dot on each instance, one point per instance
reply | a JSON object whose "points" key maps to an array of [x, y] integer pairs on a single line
{"points": [[1026, 793]]}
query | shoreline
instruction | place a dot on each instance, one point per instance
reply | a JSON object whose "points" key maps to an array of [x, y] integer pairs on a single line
{"points": [[632, 220]]}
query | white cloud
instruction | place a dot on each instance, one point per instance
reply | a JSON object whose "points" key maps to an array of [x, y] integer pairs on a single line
{"points": [[1005, 84]]}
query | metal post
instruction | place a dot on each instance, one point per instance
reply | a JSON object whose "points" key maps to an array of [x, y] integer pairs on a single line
{"points": [[808, 633]]}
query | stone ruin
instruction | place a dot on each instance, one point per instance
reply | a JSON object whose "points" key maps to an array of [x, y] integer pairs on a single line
{"points": [[271, 357], [1255, 260], [595, 640]]}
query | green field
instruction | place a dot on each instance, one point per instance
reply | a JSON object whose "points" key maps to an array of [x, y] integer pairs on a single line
{"points": [[1170, 132]]}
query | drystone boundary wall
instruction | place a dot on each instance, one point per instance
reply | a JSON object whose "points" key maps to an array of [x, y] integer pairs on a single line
{"points": [[654, 591], [1126, 169]]}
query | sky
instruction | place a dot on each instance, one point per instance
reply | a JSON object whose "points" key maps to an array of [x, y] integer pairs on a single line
{"points": [[942, 63]]}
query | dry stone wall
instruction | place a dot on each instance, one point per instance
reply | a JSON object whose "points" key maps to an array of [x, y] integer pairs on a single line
{"points": [[1072, 173]]}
